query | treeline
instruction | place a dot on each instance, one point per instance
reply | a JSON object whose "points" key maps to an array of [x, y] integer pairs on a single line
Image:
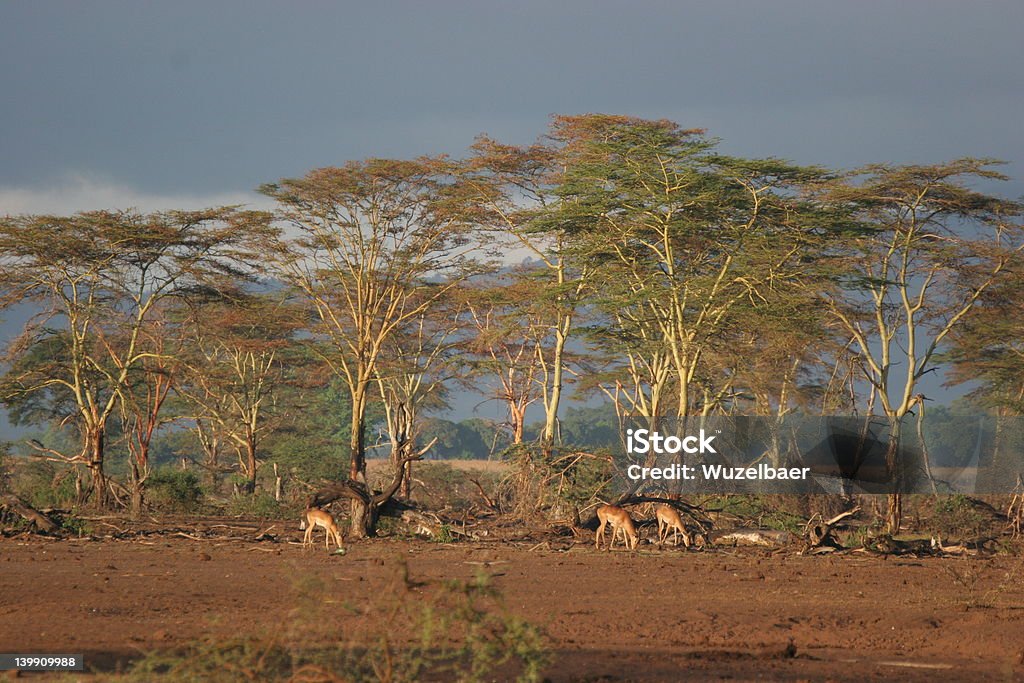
{"points": [[629, 258]]}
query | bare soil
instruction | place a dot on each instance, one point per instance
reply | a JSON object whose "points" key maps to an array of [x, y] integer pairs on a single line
{"points": [[651, 615]]}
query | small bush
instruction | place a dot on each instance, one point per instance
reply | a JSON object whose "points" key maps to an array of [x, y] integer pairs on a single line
{"points": [[556, 482], [764, 512], [261, 505], [957, 517], [445, 535], [75, 525], [44, 484], [173, 490], [439, 485]]}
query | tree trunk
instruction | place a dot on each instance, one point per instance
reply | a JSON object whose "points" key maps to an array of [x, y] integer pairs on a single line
{"points": [[364, 506], [557, 370], [250, 463], [357, 438], [893, 461], [94, 453], [139, 461], [518, 418], [211, 450], [363, 520], [137, 484]]}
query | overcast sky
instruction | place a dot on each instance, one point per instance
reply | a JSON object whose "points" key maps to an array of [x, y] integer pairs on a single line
{"points": [[114, 104]]}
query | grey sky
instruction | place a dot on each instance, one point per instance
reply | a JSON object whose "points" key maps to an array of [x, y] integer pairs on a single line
{"points": [[118, 103], [187, 104]]}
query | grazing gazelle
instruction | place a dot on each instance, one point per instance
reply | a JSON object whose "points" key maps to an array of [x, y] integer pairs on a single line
{"points": [[315, 517], [669, 519], [620, 521]]}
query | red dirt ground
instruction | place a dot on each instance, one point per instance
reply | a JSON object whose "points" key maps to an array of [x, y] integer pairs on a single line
{"points": [[619, 616]]}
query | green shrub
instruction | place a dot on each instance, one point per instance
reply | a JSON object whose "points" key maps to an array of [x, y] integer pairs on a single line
{"points": [[262, 505], [44, 484], [445, 535], [764, 512], [956, 516], [174, 490], [75, 525]]}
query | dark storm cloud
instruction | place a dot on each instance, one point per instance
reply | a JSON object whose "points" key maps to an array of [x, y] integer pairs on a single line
{"points": [[218, 97]]}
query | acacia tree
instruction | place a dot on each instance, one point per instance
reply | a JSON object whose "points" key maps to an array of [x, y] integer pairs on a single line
{"points": [[928, 249], [411, 378], [378, 243], [637, 378], [143, 399], [501, 344], [989, 346], [514, 192], [772, 358], [234, 365], [99, 276], [683, 238], [987, 350]]}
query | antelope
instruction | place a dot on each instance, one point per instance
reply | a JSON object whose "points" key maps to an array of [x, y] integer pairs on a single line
{"points": [[668, 518], [315, 517], [620, 521]]}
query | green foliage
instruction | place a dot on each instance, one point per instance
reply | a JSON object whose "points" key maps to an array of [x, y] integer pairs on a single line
{"points": [[953, 433], [591, 427], [445, 535], [174, 490], [467, 440], [309, 459], [956, 516], [760, 511], [44, 484], [311, 441], [261, 505], [170, 445], [440, 485], [217, 661], [75, 525], [47, 357]]}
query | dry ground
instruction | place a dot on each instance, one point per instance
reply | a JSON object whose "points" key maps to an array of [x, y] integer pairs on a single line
{"points": [[619, 616]]}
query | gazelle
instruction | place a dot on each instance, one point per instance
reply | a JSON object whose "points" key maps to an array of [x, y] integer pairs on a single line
{"points": [[315, 517], [619, 520], [669, 518]]}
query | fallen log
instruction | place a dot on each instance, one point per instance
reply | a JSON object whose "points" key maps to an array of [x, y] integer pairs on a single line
{"points": [[758, 537], [820, 535], [432, 526], [25, 511]]}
